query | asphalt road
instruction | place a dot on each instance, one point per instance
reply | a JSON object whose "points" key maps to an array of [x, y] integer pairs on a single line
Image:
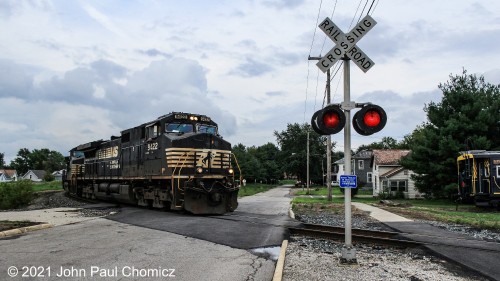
{"points": [[141, 244]]}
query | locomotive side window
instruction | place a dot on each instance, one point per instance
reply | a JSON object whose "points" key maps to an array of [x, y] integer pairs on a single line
{"points": [[207, 129], [152, 132], [178, 128], [498, 171]]}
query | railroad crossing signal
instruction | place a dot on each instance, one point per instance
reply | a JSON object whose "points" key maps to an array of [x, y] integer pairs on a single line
{"points": [[346, 44], [369, 120], [331, 120]]}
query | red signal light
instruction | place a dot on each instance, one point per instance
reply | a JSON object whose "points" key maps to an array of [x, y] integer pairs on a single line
{"points": [[369, 120], [372, 118], [329, 120]]}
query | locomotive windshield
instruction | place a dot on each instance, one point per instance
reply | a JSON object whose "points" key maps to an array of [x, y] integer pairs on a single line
{"points": [[179, 128], [77, 154], [202, 128]]}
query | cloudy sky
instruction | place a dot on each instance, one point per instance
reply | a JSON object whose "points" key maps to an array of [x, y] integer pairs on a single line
{"points": [[77, 71]]}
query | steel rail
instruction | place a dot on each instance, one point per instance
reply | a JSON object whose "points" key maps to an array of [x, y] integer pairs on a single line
{"points": [[356, 238], [357, 231]]}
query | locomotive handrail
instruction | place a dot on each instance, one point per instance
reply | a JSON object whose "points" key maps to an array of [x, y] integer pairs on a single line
{"points": [[238, 165], [178, 178]]}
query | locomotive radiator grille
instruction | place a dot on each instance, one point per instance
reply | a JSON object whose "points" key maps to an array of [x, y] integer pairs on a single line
{"points": [[192, 157]]}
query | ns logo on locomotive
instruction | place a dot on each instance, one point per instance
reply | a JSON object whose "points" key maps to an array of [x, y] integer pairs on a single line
{"points": [[177, 162]]}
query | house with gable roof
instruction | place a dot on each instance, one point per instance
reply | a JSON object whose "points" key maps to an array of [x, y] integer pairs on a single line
{"points": [[8, 175], [360, 166], [389, 176], [34, 175]]}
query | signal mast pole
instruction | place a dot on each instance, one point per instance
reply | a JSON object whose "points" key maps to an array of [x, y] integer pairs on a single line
{"points": [[328, 144], [348, 252], [328, 138]]}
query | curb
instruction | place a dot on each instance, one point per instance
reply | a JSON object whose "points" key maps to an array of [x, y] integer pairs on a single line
{"points": [[278, 273], [19, 231]]}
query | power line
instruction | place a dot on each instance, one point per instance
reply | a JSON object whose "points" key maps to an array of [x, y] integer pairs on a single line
{"points": [[376, 4], [308, 65], [314, 33], [357, 9], [362, 11], [331, 16], [307, 87], [316, 96]]}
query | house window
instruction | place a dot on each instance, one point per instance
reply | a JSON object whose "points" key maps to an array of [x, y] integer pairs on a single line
{"points": [[361, 164], [398, 186], [405, 172], [369, 177]]}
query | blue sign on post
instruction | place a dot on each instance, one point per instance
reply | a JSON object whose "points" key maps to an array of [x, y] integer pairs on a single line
{"points": [[347, 181]]}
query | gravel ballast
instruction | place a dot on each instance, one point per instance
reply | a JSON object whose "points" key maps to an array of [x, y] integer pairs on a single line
{"points": [[318, 259]]}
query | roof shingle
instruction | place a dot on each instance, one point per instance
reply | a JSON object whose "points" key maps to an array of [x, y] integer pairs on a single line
{"points": [[388, 156]]}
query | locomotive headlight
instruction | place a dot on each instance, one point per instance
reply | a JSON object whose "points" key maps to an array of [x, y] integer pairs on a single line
{"points": [[230, 170], [199, 170]]}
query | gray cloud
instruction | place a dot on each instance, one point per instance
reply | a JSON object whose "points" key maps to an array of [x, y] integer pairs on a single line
{"points": [[97, 101], [251, 68], [154, 53], [283, 4], [275, 94]]}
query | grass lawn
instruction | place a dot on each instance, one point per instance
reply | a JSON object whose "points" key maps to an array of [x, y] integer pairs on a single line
{"points": [[42, 186], [438, 210], [323, 191], [254, 188], [448, 211]]}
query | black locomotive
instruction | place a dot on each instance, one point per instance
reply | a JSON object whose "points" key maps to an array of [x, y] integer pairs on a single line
{"points": [[178, 162], [479, 177]]}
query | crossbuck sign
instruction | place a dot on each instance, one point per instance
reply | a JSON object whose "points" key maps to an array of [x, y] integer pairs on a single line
{"points": [[346, 44]]}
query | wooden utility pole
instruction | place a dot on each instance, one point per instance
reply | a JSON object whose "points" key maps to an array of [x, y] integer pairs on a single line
{"points": [[328, 138]]}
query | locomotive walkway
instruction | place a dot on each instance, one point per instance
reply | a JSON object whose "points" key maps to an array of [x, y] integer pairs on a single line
{"points": [[476, 254]]}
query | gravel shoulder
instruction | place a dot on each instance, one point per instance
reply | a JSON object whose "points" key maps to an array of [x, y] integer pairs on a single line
{"points": [[318, 259], [56, 208]]}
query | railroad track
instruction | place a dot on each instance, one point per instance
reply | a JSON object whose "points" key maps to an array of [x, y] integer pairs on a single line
{"points": [[389, 238], [386, 238]]}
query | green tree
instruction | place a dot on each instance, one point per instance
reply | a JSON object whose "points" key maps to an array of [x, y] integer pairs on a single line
{"points": [[385, 143], [22, 162], [293, 145], [268, 156], [38, 159], [250, 166], [2, 161], [466, 118]]}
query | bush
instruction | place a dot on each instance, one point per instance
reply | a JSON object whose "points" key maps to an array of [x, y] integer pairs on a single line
{"points": [[48, 177], [451, 190], [15, 194]]}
